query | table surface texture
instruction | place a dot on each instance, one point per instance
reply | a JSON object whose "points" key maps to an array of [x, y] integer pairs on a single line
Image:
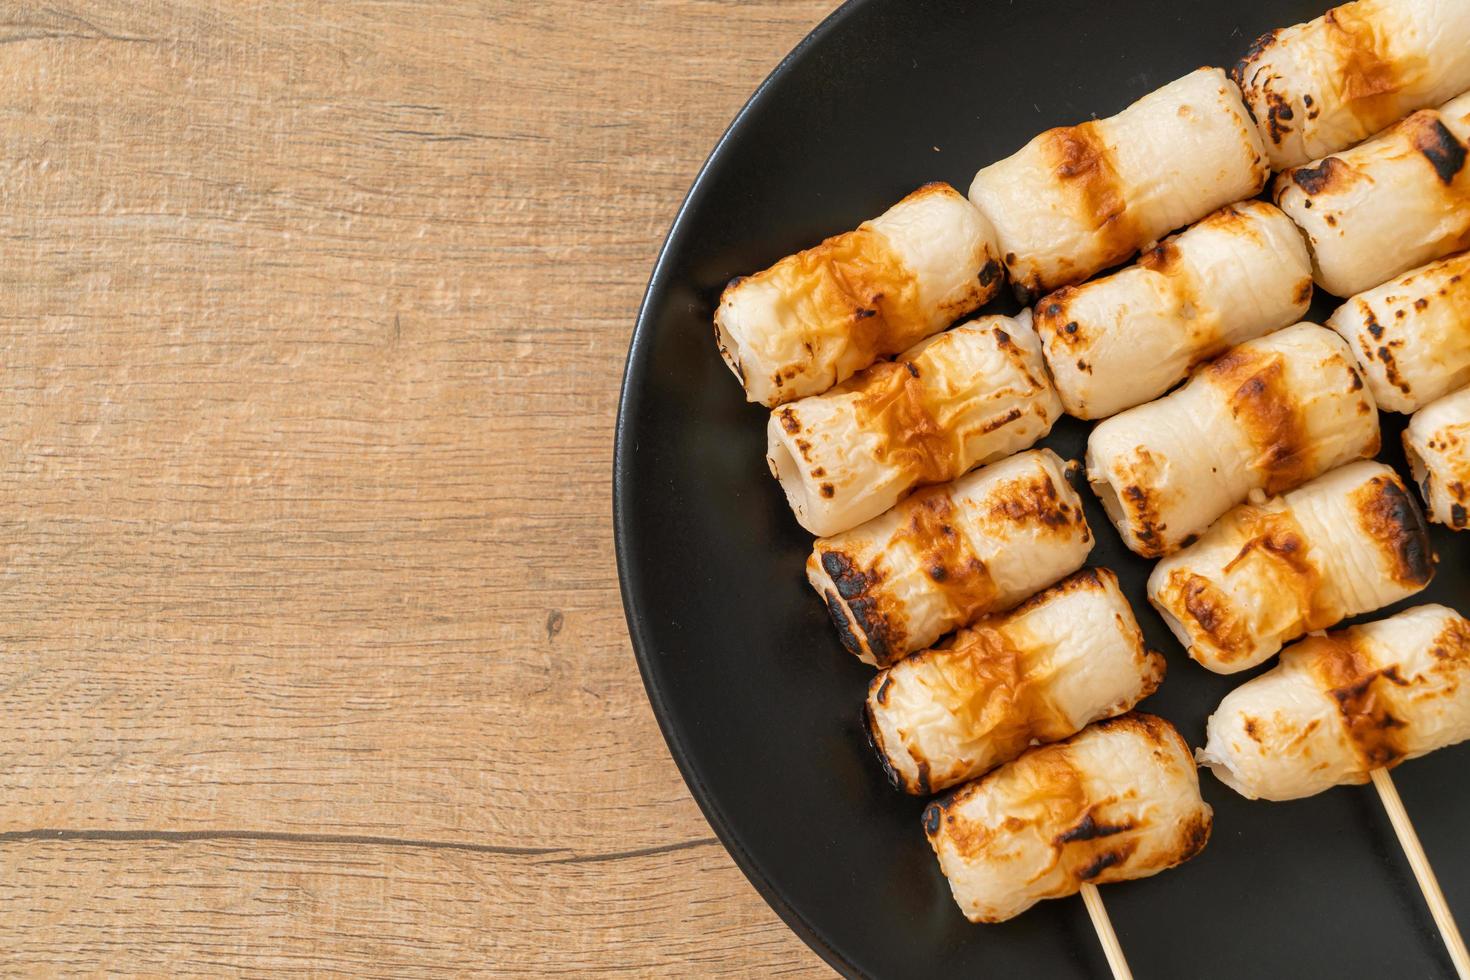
{"points": [[312, 655]]}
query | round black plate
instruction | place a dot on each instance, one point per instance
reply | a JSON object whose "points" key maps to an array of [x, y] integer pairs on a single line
{"points": [[758, 702]]}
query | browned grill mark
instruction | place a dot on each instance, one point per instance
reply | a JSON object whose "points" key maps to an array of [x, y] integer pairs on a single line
{"points": [[989, 272], [1106, 860], [1088, 828], [1210, 610], [1092, 846], [1391, 372], [1144, 512], [1345, 672], [983, 669], [875, 742], [921, 782], [861, 608], [1237, 219], [1196, 835], [857, 286], [1370, 319], [1034, 500], [1387, 512], [1368, 75], [1263, 404], [1053, 320], [1329, 176], [1163, 258], [1084, 164], [992, 425], [851, 581], [933, 815], [1052, 768], [865, 282], [955, 570], [1281, 541], [1453, 644], [1133, 475], [1242, 70], [1280, 555], [1278, 116], [851, 642], [1438, 145], [894, 402], [1252, 729]]}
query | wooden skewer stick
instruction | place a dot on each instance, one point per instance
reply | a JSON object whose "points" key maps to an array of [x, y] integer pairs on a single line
{"points": [[1428, 884], [1105, 934]]}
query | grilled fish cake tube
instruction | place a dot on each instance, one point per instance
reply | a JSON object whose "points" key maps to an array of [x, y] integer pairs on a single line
{"points": [[1347, 543], [1388, 205], [1437, 443], [1322, 86], [970, 396], [1127, 338], [950, 554], [1039, 673], [1339, 706], [1412, 334], [1118, 801], [1079, 199], [816, 318], [1267, 415]]}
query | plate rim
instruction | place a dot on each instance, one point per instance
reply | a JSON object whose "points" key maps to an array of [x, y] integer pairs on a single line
{"points": [[628, 395]]}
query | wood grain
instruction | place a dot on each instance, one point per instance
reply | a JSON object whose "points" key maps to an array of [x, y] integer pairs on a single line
{"points": [[311, 649]]}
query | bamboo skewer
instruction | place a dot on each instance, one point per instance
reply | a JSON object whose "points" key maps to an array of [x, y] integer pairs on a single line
{"points": [[1428, 884], [1105, 935]]}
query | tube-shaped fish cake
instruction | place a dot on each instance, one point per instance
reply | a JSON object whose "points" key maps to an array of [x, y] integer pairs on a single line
{"points": [[1062, 659], [1267, 415], [1322, 86], [1412, 334], [975, 394], [1342, 704], [1437, 443], [1347, 543], [1127, 338], [1118, 801], [1081, 198], [950, 554], [1388, 205], [818, 317]]}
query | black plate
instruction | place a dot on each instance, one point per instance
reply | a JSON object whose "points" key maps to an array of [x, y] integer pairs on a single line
{"points": [[759, 703]]}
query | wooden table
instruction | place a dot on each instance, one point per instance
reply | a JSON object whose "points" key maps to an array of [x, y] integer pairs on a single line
{"points": [[311, 648]]}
